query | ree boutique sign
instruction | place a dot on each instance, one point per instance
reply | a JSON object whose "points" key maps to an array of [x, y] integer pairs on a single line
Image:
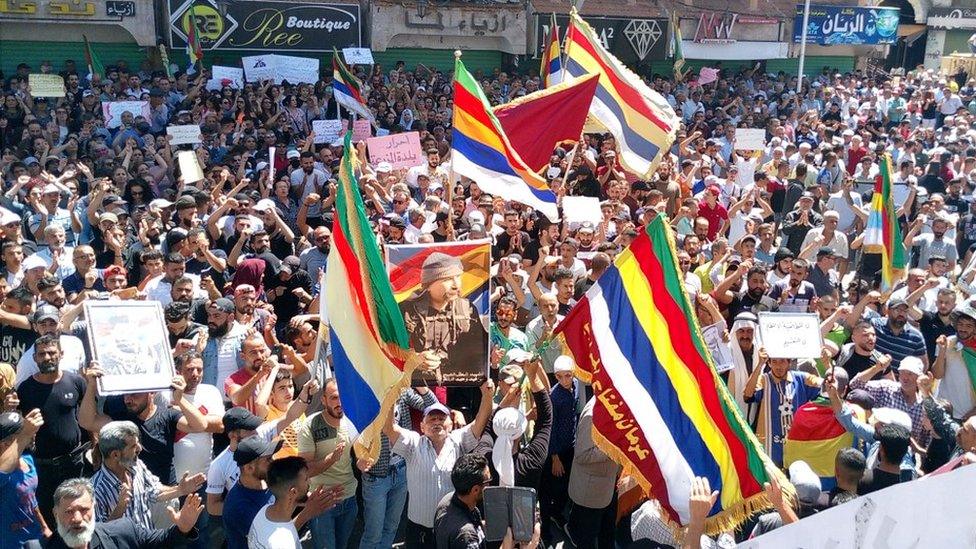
{"points": [[266, 26]]}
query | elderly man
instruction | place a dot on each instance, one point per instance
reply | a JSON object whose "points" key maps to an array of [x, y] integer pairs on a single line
{"points": [[538, 332], [744, 343], [901, 395]]}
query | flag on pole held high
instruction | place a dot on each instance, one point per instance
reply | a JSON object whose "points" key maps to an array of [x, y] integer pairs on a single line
{"points": [[369, 341], [539, 122], [642, 122], [662, 411], [193, 48], [679, 56], [347, 89], [883, 234], [481, 151], [552, 63], [94, 64]]}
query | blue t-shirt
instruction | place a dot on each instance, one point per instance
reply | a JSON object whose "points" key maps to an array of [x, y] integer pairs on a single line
{"points": [[240, 508], [18, 500]]}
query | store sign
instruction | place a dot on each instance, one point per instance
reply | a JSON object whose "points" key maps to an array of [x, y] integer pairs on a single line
{"points": [[830, 25], [135, 17], [631, 40], [715, 27], [266, 26], [952, 18]]}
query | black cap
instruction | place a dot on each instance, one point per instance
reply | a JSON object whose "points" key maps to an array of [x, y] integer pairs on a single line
{"points": [[240, 418], [825, 251], [398, 222], [223, 304], [254, 447], [783, 253], [10, 424]]}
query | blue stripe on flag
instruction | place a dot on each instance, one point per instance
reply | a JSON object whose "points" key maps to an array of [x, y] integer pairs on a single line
{"points": [[485, 157], [359, 402]]}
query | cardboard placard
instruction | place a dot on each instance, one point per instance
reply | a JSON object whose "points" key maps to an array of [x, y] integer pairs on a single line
{"points": [[46, 85], [327, 131], [183, 135], [358, 56], [296, 70], [791, 335], [402, 150], [231, 77], [361, 130], [579, 209], [112, 111], [189, 166], [750, 139]]}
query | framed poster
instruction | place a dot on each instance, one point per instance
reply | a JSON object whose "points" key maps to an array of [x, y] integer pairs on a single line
{"points": [[130, 342], [443, 292]]}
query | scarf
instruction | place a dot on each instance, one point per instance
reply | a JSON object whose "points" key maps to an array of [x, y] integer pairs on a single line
{"points": [[969, 358], [740, 373], [508, 424]]}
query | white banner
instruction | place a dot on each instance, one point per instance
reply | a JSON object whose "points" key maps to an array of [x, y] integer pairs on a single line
{"points": [[296, 70], [358, 56], [791, 335], [189, 166], [934, 511], [112, 111], [327, 131], [231, 77], [182, 135], [259, 67], [750, 139], [46, 85]]}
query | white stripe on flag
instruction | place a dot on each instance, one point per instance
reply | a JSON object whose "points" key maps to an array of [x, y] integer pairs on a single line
{"points": [[675, 469], [506, 186]]}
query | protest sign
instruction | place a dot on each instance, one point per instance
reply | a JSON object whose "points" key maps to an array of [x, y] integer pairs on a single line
{"points": [[278, 68], [465, 352], [715, 341], [938, 509], [259, 67], [182, 135], [361, 130], [46, 85], [112, 111], [189, 167], [358, 56], [750, 139], [327, 131], [791, 335], [231, 77], [402, 150], [579, 209], [136, 359]]}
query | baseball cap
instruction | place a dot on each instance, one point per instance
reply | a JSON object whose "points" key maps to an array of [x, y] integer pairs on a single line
{"points": [[240, 418], [891, 416], [254, 447], [587, 226], [897, 302], [223, 304], [87, 93], [45, 312], [108, 216], [30, 160], [114, 270], [437, 407], [185, 202], [50, 188], [10, 424], [714, 190], [563, 363], [113, 199], [263, 205], [384, 167], [160, 203], [293, 154], [911, 364], [965, 309], [33, 262]]}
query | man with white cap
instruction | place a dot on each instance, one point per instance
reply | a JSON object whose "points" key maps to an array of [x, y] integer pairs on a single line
{"points": [[49, 213], [566, 397], [901, 395]]}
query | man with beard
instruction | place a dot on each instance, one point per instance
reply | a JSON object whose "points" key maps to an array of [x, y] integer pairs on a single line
{"points": [[46, 322], [273, 526], [160, 288], [281, 292], [934, 243], [903, 394], [860, 354], [895, 336], [157, 425], [74, 508], [252, 383], [60, 447], [183, 291], [123, 485], [51, 291], [934, 324], [957, 384], [246, 313], [504, 335], [313, 260], [457, 520], [744, 343], [18, 478], [250, 494], [325, 441], [221, 356], [795, 293], [307, 180]]}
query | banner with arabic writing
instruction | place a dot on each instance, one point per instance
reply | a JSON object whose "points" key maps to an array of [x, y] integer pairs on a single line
{"points": [[829, 25]]}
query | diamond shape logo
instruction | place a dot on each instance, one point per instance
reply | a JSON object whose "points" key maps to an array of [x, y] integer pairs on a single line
{"points": [[643, 34], [212, 26]]}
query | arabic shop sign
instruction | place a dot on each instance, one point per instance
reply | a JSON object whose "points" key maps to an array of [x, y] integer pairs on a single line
{"points": [[633, 41], [952, 18], [831, 25], [79, 10], [266, 26], [495, 27]]}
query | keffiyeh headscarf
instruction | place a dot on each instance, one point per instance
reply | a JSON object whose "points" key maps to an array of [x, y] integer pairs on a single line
{"points": [[509, 424], [740, 373]]}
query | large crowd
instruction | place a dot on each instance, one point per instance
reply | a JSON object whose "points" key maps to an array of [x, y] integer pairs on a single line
{"points": [[247, 448]]}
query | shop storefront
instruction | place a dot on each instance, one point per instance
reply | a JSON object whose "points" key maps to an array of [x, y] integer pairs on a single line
{"points": [[949, 32], [429, 34], [636, 41], [51, 30], [839, 37]]}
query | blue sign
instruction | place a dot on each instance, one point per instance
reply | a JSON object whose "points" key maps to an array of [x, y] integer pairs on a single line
{"points": [[829, 25]]}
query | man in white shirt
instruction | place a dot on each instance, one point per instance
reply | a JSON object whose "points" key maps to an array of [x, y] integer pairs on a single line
{"points": [[192, 452], [272, 527], [45, 321], [161, 288], [950, 368]]}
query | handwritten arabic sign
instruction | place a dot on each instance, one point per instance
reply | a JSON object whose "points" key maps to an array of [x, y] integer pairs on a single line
{"points": [[402, 150], [327, 131], [791, 335], [46, 85], [830, 25], [112, 111], [182, 135], [361, 130], [750, 139]]}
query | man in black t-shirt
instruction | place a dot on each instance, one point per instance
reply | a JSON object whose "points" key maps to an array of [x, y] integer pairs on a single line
{"points": [[59, 443], [16, 335], [893, 440], [860, 354]]}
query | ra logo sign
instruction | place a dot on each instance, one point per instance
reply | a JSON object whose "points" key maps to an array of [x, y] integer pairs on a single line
{"points": [[211, 26]]}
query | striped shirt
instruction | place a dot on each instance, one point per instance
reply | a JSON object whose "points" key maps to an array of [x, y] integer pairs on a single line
{"points": [[142, 494], [429, 473], [908, 343], [401, 414]]}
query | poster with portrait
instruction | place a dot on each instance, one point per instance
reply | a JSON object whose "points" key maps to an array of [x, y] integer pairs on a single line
{"points": [[443, 292], [130, 342]]}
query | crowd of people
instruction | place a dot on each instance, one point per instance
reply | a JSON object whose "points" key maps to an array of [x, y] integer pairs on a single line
{"points": [[250, 447]]}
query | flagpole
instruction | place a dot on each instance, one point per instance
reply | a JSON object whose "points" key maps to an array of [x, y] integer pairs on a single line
{"points": [[803, 47], [450, 173]]}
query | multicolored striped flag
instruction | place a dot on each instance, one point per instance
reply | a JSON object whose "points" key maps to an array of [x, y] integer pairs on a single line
{"points": [[815, 437], [368, 338], [883, 234], [481, 151], [642, 122], [969, 359], [661, 410], [193, 48], [347, 89], [552, 62]]}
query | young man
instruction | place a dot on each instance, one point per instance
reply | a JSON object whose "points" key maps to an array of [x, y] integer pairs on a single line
{"points": [[457, 520], [273, 526]]}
